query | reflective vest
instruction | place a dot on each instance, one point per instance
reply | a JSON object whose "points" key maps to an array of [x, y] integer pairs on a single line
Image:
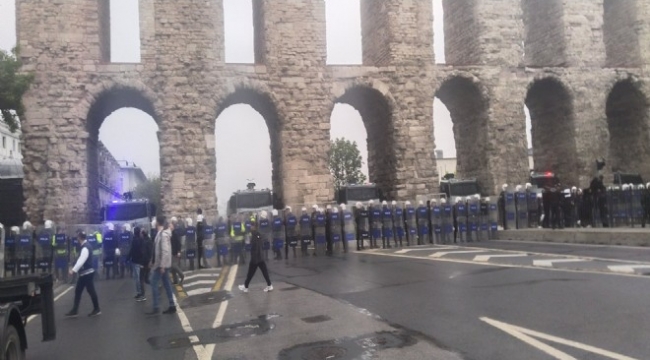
{"points": [[239, 234], [97, 248]]}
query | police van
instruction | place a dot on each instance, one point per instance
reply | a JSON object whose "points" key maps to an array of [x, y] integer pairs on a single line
{"points": [[351, 194], [459, 188], [250, 201], [138, 212], [544, 180]]}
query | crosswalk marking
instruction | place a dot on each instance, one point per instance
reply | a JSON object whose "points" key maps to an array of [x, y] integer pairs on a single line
{"points": [[549, 263], [443, 253], [486, 258], [193, 276], [404, 251], [199, 291], [627, 269], [199, 282]]}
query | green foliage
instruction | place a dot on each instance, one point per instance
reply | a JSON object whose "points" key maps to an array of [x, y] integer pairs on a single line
{"points": [[150, 190], [345, 163], [13, 85]]}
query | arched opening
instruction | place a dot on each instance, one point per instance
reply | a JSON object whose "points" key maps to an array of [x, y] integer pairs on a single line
{"points": [[627, 120], [122, 133], [248, 146], [553, 129], [544, 42], [620, 33], [347, 123], [239, 31], [468, 112], [343, 21], [8, 25], [376, 113], [443, 135]]}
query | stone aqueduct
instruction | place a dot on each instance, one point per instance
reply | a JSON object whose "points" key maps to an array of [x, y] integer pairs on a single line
{"points": [[581, 66]]}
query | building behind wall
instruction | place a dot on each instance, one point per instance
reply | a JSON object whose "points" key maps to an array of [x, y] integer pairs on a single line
{"points": [[109, 176], [130, 176], [9, 143]]}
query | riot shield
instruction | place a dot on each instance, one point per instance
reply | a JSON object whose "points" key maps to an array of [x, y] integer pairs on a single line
{"points": [[43, 249], [627, 205], [292, 233], [279, 234], [191, 250], [616, 206], [221, 238], [3, 246], [305, 233], [460, 212], [533, 207], [398, 223], [473, 207], [484, 220], [237, 236], [349, 230], [521, 204], [124, 246], [25, 250], [493, 217], [386, 227], [411, 225], [11, 239], [363, 227], [209, 245], [510, 208], [374, 213], [637, 207], [436, 222], [335, 230], [266, 233], [422, 217], [447, 223], [109, 244], [320, 233]]}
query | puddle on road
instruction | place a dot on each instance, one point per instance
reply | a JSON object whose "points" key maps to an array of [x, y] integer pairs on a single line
{"points": [[251, 328], [361, 347], [205, 299]]}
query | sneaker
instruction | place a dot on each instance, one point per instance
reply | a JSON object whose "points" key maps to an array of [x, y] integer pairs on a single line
{"points": [[268, 288], [137, 296], [171, 310], [141, 299], [95, 313], [243, 288], [72, 314]]}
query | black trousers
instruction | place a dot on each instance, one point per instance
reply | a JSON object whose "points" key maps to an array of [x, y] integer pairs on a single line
{"points": [[87, 282], [252, 267], [199, 246]]}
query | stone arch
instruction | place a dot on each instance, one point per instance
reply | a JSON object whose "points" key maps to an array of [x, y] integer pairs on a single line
{"points": [[628, 117], [108, 100], [550, 103], [468, 102], [375, 105], [261, 101]]}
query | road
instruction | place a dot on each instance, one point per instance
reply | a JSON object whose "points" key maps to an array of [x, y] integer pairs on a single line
{"points": [[495, 300]]}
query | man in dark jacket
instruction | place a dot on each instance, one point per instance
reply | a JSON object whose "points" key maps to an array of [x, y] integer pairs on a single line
{"points": [[200, 226], [257, 260], [138, 258], [176, 271]]}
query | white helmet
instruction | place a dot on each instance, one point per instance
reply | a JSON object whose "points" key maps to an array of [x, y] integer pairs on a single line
{"points": [[394, 203], [274, 212], [574, 189], [487, 199], [641, 187], [315, 207], [384, 203], [420, 202], [443, 201], [518, 188], [335, 210], [15, 229], [27, 225], [504, 187], [408, 203], [434, 201], [647, 185], [329, 207], [539, 195], [371, 202], [264, 214], [458, 200], [469, 198], [48, 224], [625, 187], [188, 221], [288, 208], [359, 205], [110, 226], [304, 209], [127, 227], [343, 207], [199, 218], [174, 219], [477, 197], [528, 186], [117, 252]]}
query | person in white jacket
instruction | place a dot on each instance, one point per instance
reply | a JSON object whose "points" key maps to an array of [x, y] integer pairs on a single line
{"points": [[162, 262]]}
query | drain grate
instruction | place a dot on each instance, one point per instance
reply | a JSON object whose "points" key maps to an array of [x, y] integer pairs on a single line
{"points": [[316, 319], [205, 299]]}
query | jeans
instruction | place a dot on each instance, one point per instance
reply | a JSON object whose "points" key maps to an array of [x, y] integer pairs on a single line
{"points": [[139, 289], [156, 276], [87, 282], [176, 269]]}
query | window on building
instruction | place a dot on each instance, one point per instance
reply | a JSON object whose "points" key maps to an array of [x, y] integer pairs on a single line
{"points": [[4, 142]]}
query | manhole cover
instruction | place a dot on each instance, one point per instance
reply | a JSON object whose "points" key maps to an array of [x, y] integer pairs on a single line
{"points": [[324, 353], [316, 319], [205, 299]]}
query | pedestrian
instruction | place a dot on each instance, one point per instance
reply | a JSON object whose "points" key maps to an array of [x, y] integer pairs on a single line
{"points": [[176, 271], [139, 258], [162, 262], [148, 247], [200, 236], [257, 260], [86, 279]]}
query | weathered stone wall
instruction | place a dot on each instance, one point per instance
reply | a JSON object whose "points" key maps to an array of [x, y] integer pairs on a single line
{"points": [[184, 84], [619, 31]]}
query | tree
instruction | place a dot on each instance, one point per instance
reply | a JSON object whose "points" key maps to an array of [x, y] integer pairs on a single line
{"points": [[345, 163], [13, 85], [150, 190]]}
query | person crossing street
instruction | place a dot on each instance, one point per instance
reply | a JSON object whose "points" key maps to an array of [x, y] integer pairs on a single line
{"points": [[86, 279], [257, 261]]}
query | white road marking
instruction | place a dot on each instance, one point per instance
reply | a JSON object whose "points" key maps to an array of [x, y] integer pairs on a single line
{"points": [[443, 253], [30, 318], [189, 277], [527, 336], [486, 258], [627, 269], [198, 291], [199, 282], [200, 350], [222, 309], [549, 263], [404, 251]]}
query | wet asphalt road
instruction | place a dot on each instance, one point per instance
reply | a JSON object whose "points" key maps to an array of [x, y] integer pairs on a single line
{"points": [[442, 300]]}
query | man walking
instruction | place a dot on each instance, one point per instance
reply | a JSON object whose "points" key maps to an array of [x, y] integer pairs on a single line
{"points": [[139, 258], [160, 269], [176, 252], [86, 279], [257, 260]]}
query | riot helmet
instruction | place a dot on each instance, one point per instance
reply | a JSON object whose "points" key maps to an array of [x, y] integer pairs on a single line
{"points": [[48, 224]]}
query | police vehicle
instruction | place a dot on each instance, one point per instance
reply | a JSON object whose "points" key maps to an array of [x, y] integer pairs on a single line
{"points": [[250, 201], [20, 297], [622, 178], [351, 194], [544, 180], [138, 211], [459, 188]]}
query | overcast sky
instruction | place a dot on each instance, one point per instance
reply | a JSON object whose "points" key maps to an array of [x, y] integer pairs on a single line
{"points": [[131, 134]]}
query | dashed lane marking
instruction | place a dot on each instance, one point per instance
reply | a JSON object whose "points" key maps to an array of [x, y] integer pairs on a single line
{"points": [[627, 269], [549, 263], [486, 258], [443, 253]]}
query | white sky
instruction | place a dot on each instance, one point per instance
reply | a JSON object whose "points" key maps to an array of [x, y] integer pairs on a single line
{"points": [[139, 143]]}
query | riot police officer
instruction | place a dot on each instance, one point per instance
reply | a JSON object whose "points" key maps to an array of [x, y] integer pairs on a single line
{"points": [[44, 248], [109, 245], [422, 217], [237, 231], [124, 245], [645, 203], [398, 223], [374, 213], [291, 227], [277, 227], [386, 225], [320, 229], [361, 218], [347, 227], [305, 231], [221, 233], [410, 220]]}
